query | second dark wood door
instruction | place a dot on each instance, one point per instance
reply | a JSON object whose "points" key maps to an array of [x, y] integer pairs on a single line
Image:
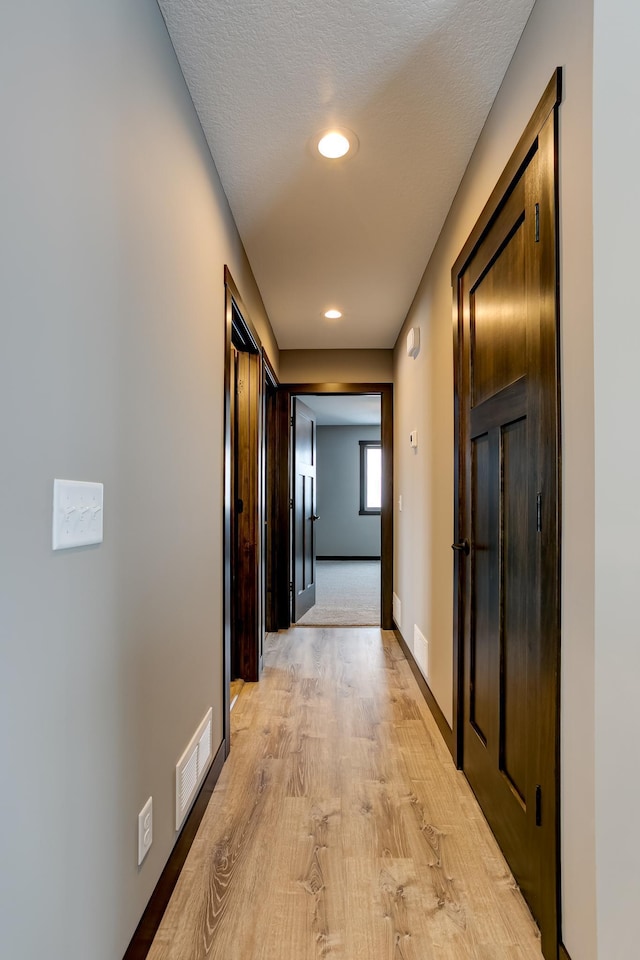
{"points": [[245, 561]]}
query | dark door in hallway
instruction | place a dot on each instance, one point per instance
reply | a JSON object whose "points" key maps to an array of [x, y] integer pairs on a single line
{"points": [[303, 508], [508, 526], [247, 627], [244, 498]]}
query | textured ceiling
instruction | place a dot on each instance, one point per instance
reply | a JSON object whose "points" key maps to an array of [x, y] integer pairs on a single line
{"points": [[414, 79]]}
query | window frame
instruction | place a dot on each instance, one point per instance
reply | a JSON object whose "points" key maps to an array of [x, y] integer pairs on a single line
{"points": [[364, 510]]}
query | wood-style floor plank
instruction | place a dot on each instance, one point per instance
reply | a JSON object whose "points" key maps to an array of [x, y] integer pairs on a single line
{"points": [[339, 828]]}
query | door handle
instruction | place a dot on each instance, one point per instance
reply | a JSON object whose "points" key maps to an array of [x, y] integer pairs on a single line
{"points": [[314, 517], [463, 546]]}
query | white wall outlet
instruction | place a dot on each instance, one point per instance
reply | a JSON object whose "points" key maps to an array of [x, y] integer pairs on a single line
{"points": [[421, 651], [413, 439], [77, 513], [400, 503], [145, 830]]}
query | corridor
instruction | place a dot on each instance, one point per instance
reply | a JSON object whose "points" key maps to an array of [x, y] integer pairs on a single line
{"points": [[339, 827]]}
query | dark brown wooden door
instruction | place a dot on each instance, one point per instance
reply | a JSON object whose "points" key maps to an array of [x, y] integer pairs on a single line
{"points": [[270, 499], [246, 594], [304, 508], [508, 546]]}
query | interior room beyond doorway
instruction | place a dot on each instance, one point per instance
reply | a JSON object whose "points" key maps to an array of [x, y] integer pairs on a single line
{"points": [[347, 534], [347, 594]]}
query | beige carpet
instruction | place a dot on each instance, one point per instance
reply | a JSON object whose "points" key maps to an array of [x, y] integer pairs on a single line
{"points": [[347, 594]]}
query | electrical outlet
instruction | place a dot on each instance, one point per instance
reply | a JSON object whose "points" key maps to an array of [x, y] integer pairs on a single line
{"points": [[145, 830]]}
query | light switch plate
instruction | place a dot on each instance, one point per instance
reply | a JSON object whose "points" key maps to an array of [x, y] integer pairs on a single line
{"points": [[77, 513]]}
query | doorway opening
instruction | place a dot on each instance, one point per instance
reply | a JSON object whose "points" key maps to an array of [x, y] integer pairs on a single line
{"points": [[249, 484], [342, 571], [305, 546]]}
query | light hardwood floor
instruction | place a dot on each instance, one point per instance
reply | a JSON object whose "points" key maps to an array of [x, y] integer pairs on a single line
{"points": [[339, 827], [234, 691]]}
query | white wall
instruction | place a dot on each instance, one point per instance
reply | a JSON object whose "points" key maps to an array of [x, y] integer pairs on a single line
{"points": [[114, 234], [617, 348], [559, 32], [341, 531], [336, 366]]}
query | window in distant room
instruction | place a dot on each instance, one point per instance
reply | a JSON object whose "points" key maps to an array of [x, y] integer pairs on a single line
{"points": [[370, 476]]}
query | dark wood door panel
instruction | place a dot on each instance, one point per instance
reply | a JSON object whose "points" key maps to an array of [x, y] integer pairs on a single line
{"points": [[516, 738], [482, 658], [304, 508], [499, 379], [499, 319], [510, 402], [304, 571]]}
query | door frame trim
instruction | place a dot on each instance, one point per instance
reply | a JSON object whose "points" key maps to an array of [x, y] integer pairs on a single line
{"points": [[286, 392], [527, 143], [269, 481], [550, 99], [254, 345]]}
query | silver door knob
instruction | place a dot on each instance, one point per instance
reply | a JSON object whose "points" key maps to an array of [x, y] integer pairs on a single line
{"points": [[314, 517]]}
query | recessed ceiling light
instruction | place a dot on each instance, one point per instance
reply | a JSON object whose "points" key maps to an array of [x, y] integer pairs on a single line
{"points": [[333, 314], [334, 145], [337, 143]]}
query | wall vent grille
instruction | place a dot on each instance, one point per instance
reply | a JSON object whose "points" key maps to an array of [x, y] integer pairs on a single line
{"points": [[192, 767], [421, 651], [204, 747], [188, 778], [397, 611]]}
